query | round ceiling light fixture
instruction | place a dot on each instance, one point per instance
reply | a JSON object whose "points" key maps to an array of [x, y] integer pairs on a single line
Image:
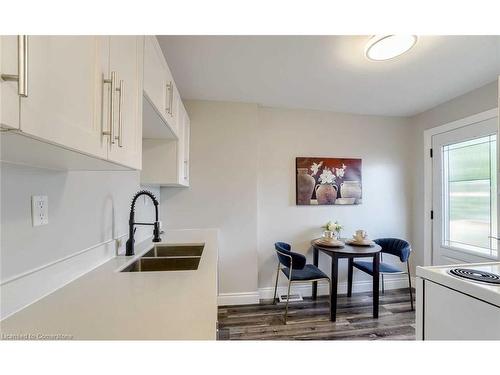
{"points": [[386, 47]]}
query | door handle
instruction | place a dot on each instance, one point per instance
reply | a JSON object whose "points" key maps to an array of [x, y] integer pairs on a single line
{"points": [[495, 238], [22, 67], [120, 115], [110, 132], [170, 91]]}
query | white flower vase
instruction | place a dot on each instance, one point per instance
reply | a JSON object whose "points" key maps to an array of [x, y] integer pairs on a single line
{"points": [[350, 189]]}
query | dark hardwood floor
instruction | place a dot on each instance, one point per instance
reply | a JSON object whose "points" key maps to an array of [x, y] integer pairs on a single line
{"points": [[309, 320]]}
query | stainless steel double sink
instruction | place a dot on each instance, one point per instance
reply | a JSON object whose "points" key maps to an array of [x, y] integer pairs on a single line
{"points": [[168, 258]]}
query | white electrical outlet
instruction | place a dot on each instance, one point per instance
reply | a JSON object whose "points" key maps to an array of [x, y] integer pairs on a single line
{"points": [[40, 210]]}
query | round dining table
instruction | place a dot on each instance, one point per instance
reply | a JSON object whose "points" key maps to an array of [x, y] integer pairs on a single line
{"points": [[350, 252]]}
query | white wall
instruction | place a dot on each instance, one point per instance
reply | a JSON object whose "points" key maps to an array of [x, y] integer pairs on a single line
{"points": [[243, 182], [476, 101], [223, 191], [87, 210], [381, 143]]}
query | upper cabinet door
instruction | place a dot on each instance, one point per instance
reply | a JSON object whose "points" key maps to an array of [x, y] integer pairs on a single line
{"points": [[159, 85], [181, 115], [187, 141], [175, 114], [126, 63], [9, 89], [65, 86], [155, 76]]}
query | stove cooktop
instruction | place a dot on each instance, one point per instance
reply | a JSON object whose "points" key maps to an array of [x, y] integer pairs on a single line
{"points": [[476, 275]]}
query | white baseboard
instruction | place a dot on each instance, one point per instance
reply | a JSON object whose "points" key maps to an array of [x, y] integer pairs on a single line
{"points": [[228, 299], [357, 287]]}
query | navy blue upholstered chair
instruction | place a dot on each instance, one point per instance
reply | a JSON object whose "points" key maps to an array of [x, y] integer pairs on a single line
{"points": [[294, 267], [392, 246]]}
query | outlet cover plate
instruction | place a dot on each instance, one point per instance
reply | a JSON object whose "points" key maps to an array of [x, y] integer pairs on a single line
{"points": [[39, 210]]}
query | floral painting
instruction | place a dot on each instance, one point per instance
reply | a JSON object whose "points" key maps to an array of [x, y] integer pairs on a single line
{"points": [[328, 181]]}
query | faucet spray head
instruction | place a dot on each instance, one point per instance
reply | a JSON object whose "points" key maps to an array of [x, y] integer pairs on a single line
{"points": [[156, 232]]}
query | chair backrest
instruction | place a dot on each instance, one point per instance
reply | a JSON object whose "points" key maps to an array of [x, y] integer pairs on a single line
{"points": [[395, 246], [286, 256]]}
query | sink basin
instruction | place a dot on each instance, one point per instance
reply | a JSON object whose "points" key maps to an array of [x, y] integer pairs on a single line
{"points": [[175, 251], [168, 258], [163, 264]]}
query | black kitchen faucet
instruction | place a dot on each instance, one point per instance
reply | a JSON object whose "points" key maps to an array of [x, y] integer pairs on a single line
{"points": [[156, 231]]}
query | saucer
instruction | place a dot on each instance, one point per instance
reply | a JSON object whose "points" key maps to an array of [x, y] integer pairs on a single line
{"points": [[328, 242], [364, 242]]}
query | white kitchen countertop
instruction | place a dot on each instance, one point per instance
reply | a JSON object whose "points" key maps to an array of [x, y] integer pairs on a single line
{"points": [[486, 292], [108, 304]]}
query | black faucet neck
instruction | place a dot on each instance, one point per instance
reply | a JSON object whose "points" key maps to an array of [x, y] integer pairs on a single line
{"points": [[156, 231]]}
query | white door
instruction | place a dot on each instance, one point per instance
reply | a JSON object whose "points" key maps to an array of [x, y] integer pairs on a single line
{"points": [[9, 90], [126, 60], [465, 194], [65, 92]]}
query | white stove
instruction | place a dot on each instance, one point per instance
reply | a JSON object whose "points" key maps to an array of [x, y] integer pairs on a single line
{"points": [[458, 302]]}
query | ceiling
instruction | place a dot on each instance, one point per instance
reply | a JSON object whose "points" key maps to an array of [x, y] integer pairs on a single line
{"points": [[330, 72]]}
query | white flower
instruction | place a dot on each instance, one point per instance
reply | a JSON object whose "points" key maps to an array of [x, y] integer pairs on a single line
{"points": [[343, 166], [315, 168], [338, 227], [327, 177], [339, 172], [328, 226]]}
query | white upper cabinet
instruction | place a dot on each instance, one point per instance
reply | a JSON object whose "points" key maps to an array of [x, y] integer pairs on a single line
{"points": [[79, 102], [126, 62], [84, 94], [166, 123], [11, 54], [181, 115], [166, 160], [173, 106], [159, 85], [64, 101], [155, 76], [187, 141]]}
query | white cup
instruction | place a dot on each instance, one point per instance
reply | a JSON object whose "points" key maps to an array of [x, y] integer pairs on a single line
{"points": [[328, 234], [360, 235]]}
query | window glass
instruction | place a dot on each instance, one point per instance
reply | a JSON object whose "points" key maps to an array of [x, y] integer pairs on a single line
{"points": [[470, 195]]}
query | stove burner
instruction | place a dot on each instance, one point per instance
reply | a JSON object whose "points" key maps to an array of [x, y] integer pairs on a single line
{"points": [[476, 275]]}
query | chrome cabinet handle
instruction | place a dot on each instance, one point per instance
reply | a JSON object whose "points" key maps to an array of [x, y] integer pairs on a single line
{"points": [[185, 169], [110, 132], [22, 67], [120, 115], [170, 92], [22, 46], [171, 99]]}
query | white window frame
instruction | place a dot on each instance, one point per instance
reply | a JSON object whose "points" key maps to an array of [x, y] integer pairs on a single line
{"points": [[428, 134]]}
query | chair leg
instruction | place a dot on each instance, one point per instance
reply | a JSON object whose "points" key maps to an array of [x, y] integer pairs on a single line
{"points": [[288, 295], [276, 283], [383, 288], [409, 283]]}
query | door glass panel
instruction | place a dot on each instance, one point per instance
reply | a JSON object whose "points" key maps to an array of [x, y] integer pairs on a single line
{"points": [[470, 194]]}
